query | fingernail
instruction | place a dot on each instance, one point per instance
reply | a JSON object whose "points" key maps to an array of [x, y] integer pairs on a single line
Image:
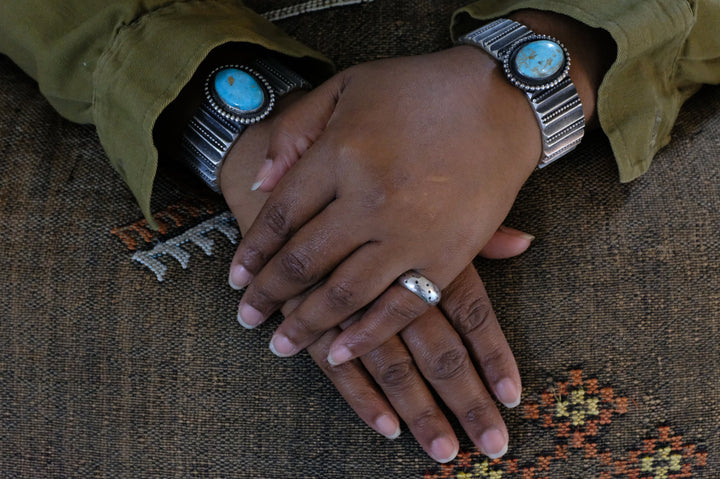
{"points": [[248, 316], [243, 323], [339, 355], [388, 427], [443, 449], [239, 277], [281, 346], [517, 233], [508, 393], [262, 174], [493, 443]]}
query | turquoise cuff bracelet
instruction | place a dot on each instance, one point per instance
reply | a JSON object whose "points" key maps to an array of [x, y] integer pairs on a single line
{"points": [[539, 65], [234, 97]]}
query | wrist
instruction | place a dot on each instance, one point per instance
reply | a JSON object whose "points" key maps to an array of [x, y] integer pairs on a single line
{"points": [[484, 81]]}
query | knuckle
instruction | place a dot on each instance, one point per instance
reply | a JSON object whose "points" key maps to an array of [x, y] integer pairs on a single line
{"points": [[341, 296], [494, 355], [261, 299], [402, 310], [396, 374], [373, 198], [451, 364], [277, 221], [469, 316], [253, 258], [481, 413], [427, 419], [302, 326], [297, 267], [362, 398]]}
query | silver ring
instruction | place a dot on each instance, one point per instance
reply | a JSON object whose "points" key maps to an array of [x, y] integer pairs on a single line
{"points": [[421, 286]]}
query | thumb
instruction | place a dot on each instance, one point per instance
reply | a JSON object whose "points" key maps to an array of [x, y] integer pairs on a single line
{"points": [[296, 129], [506, 243]]}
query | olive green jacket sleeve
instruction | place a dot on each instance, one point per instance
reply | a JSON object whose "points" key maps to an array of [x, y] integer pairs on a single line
{"points": [[666, 49], [119, 63]]}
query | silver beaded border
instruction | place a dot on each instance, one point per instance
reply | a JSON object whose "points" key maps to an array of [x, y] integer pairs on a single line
{"points": [[512, 74], [226, 111]]}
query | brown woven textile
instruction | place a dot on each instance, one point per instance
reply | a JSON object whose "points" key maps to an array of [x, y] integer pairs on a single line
{"points": [[613, 314]]}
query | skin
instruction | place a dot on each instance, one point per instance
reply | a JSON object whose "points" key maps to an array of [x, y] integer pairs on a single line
{"points": [[405, 164], [365, 139], [457, 350], [395, 381]]}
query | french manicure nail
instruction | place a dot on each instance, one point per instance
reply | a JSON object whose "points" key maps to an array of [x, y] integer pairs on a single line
{"points": [[263, 174], [239, 277], [281, 346], [517, 233], [508, 393], [248, 316], [339, 355], [493, 443], [388, 427], [243, 323], [443, 449]]}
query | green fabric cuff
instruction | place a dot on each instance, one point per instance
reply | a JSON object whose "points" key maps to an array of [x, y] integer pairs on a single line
{"points": [[148, 63], [639, 100]]}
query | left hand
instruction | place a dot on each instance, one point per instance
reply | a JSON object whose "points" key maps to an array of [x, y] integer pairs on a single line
{"points": [[407, 164], [458, 351]]}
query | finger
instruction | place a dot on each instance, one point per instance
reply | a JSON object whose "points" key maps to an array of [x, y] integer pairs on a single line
{"points": [[282, 214], [377, 326], [295, 130], [387, 316], [353, 285], [353, 382], [468, 308], [272, 172], [443, 360], [506, 243], [394, 371], [308, 257], [358, 388]]}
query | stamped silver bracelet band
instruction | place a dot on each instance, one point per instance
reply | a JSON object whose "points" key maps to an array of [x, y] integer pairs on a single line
{"points": [[539, 65]]}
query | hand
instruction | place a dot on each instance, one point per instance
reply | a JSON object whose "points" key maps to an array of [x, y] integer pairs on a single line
{"points": [[445, 353], [407, 164], [399, 366]]}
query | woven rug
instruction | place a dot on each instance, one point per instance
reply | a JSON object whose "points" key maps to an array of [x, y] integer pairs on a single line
{"points": [[120, 355]]}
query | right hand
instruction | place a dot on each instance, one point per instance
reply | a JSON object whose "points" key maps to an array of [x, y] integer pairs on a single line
{"points": [[458, 348]]}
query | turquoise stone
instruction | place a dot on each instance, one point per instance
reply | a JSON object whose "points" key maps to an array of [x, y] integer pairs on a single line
{"points": [[238, 89], [539, 59]]}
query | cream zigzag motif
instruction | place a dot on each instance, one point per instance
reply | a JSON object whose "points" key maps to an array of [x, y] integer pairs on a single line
{"points": [[174, 247], [308, 7]]}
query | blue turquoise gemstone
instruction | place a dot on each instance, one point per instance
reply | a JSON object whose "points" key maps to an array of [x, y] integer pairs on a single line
{"points": [[238, 89], [539, 60]]}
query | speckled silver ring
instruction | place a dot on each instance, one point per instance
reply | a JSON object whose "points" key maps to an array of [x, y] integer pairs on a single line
{"points": [[421, 286]]}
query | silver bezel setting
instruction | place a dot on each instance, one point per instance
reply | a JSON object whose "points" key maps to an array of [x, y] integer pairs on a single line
{"points": [[554, 99], [519, 80], [233, 114]]}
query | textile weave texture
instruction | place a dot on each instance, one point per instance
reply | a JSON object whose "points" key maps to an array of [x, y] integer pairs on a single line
{"points": [[105, 371]]}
